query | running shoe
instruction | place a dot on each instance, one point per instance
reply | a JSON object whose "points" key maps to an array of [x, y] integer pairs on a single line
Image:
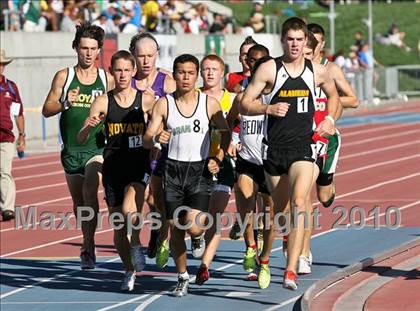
{"points": [[128, 281], [249, 259], [162, 255], [181, 288], [304, 265], [252, 277], [290, 280], [137, 258], [264, 277], [153, 244], [87, 260], [234, 233], [198, 246], [202, 275]]}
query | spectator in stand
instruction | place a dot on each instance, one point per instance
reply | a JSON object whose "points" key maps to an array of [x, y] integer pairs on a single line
{"points": [[110, 9], [151, 13], [32, 12], [101, 21], [359, 41], [367, 62], [219, 25], [394, 37], [203, 18], [10, 106], [256, 20], [339, 59], [132, 11], [71, 17], [113, 25]]}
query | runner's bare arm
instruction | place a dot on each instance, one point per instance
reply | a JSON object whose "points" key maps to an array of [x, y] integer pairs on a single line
{"points": [[52, 105], [97, 113], [348, 97], [152, 134], [148, 103], [111, 83], [234, 111], [169, 85], [218, 120], [324, 80]]}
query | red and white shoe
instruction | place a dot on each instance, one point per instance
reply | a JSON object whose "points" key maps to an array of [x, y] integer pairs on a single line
{"points": [[290, 280]]}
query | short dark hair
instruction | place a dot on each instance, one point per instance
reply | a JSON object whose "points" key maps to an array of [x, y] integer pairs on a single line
{"points": [[86, 30], [248, 40], [139, 37], [316, 29], [312, 41], [186, 58], [260, 61], [122, 54], [258, 48], [294, 23]]}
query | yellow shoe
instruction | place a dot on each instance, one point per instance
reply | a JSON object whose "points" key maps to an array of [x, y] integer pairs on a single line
{"points": [[264, 277]]}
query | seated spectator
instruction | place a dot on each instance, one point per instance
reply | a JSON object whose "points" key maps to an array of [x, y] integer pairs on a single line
{"points": [[256, 20], [203, 19], [393, 37]]}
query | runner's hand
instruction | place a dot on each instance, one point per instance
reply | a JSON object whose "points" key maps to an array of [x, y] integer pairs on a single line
{"points": [[164, 137], [92, 121], [72, 96], [213, 166], [278, 110], [325, 128]]}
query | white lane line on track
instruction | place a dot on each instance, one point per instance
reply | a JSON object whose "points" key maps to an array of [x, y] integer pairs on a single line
{"points": [[39, 175], [375, 129], [293, 299], [398, 160], [41, 187], [103, 211], [149, 301], [353, 155], [23, 167], [376, 138], [13, 292]]}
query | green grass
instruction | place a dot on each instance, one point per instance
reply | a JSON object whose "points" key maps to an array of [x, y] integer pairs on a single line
{"points": [[350, 19]]}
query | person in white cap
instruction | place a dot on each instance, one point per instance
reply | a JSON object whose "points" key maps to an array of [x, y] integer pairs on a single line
{"points": [[10, 105]]}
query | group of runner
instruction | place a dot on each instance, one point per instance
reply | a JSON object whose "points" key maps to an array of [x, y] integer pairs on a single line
{"points": [[151, 135]]}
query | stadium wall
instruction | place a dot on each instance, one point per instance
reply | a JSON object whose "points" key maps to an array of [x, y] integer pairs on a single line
{"points": [[38, 56]]}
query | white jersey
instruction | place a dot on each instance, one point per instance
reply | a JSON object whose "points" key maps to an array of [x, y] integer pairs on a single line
{"points": [[251, 135], [190, 139]]}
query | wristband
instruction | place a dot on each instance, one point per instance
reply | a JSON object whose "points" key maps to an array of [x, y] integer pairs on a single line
{"points": [[155, 142], [22, 134], [331, 119], [66, 104], [235, 138]]}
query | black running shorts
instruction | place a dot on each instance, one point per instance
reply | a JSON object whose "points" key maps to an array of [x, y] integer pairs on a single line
{"points": [[254, 171]]}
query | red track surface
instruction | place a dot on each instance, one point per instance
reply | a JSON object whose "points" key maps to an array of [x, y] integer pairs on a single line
{"points": [[366, 177]]}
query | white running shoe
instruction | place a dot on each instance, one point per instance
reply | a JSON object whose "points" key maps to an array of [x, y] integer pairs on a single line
{"points": [[198, 246], [137, 258], [128, 281], [304, 265]]}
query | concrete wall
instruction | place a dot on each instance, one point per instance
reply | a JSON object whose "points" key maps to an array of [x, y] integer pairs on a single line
{"points": [[38, 56]]}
